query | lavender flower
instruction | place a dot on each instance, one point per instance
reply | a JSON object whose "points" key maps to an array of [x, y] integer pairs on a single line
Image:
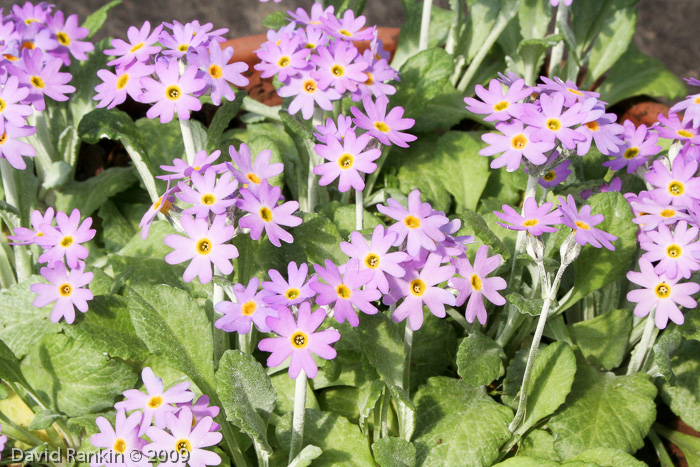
{"points": [[64, 241], [266, 215], [25, 236], [307, 93], [677, 252], [679, 186], [553, 122], [119, 442], [12, 149], [115, 87], [251, 174], [387, 128], [515, 143], [219, 72], [475, 285], [535, 220], [207, 194], [65, 288], [336, 67], [497, 105], [347, 160], [249, 308], [292, 292], [139, 48], [638, 146], [41, 76], [584, 223]]}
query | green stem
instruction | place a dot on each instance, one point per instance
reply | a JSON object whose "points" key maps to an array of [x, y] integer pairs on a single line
{"points": [[41, 141], [220, 336], [186, 128], [298, 416], [7, 276], [239, 460], [508, 12], [515, 318], [461, 320], [359, 210], [23, 265], [558, 50], [641, 351], [17, 432], [311, 185], [386, 402], [372, 179], [535, 347], [425, 25], [144, 172], [271, 112], [408, 350], [664, 458]]}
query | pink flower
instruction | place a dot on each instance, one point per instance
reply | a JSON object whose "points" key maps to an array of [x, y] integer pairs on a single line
{"points": [[475, 285], [679, 186], [249, 308], [207, 194], [637, 147], [299, 339], [119, 442], [348, 28], [115, 87], [65, 288], [677, 252], [12, 149], [139, 48], [307, 93], [203, 246], [250, 174], [24, 236], [68, 35], [347, 160], [11, 110], [661, 292], [387, 128], [285, 59], [163, 205], [535, 220], [583, 224], [336, 67], [156, 402], [181, 169], [41, 76], [214, 63], [266, 215], [291, 292], [497, 105], [64, 240], [173, 92], [515, 143], [553, 122]]}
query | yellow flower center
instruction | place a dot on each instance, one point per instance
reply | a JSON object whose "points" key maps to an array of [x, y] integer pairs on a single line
{"points": [[531, 222], [66, 242], [29, 21], [574, 91], [63, 38], [475, 281], [518, 142], [253, 178], [299, 340], [381, 126], [204, 246], [412, 222], [549, 176], [173, 92], [37, 82], [684, 133], [370, 79], [3, 138], [164, 207], [345, 161], [120, 445], [65, 290], [248, 308], [667, 213], [266, 214], [137, 47], [215, 71], [183, 446], [28, 45], [372, 260], [310, 45], [155, 402], [123, 81], [676, 188], [631, 153], [503, 105], [345, 32], [343, 291], [310, 86], [674, 251], [553, 124], [183, 47], [208, 199], [697, 100], [663, 290], [337, 70], [292, 294], [593, 126], [284, 62], [582, 225], [10, 57], [417, 287]]}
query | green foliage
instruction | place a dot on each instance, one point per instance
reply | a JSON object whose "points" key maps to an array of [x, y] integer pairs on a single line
{"points": [[603, 339], [221, 120], [458, 424], [532, 306], [95, 21], [665, 348], [474, 224], [604, 410], [479, 360], [394, 452], [683, 396], [89, 195], [407, 46]]}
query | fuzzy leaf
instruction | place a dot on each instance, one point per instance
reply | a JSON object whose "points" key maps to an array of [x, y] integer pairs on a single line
{"points": [[306, 456], [476, 224], [89, 195], [532, 306], [246, 393], [394, 452], [319, 238], [683, 397], [44, 419], [380, 343], [480, 360], [665, 348], [95, 21], [223, 116], [603, 339]]}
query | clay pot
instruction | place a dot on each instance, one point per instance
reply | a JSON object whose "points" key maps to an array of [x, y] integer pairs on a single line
{"points": [[642, 109], [262, 89]]}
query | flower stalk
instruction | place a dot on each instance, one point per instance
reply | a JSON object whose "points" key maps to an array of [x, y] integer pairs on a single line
{"points": [[639, 355], [299, 416], [425, 25]]}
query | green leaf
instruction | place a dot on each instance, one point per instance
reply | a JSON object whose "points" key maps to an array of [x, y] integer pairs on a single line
{"points": [[612, 42], [460, 424], [296, 126], [606, 457], [603, 339], [604, 410], [683, 397], [275, 20], [44, 419], [635, 73], [534, 16], [539, 443], [89, 195], [691, 328], [690, 445], [9, 366], [394, 452], [95, 21], [380, 343], [256, 257], [665, 348], [107, 328], [480, 360], [407, 46], [320, 240], [426, 94], [262, 143], [476, 224], [367, 401], [116, 228], [76, 379], [552, 376], [342, 442], [343, 400], [246, 393], [81, 102], [434, 349], [597, 267], [175, 327], [21, 324], [439, 168], [526, 306], [284, 387], [221, 120], [482, 19], [343, 216], [306, 456], [522, 461]]}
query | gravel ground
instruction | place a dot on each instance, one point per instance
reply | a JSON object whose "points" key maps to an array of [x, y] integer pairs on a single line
{"points": [[666, 28]]}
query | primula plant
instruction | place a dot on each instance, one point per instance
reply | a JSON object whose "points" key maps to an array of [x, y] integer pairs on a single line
{"points": [[446, 249]]}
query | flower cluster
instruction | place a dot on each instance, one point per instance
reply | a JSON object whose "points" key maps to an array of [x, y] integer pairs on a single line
{"points": [[35, 43], [170, 67], [317, 60], [64, 255], [178, 428], [668, 215], [216, 197]]}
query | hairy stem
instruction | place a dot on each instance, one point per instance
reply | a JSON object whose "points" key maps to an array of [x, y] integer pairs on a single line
{"points": [[639, 355], [298, 416], [271, 112], [359, 210], [425, 25], [558, 50]]}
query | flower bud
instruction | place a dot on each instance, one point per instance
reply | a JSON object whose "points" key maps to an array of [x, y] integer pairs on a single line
{"points": [[569, 250], [535, 248]]}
